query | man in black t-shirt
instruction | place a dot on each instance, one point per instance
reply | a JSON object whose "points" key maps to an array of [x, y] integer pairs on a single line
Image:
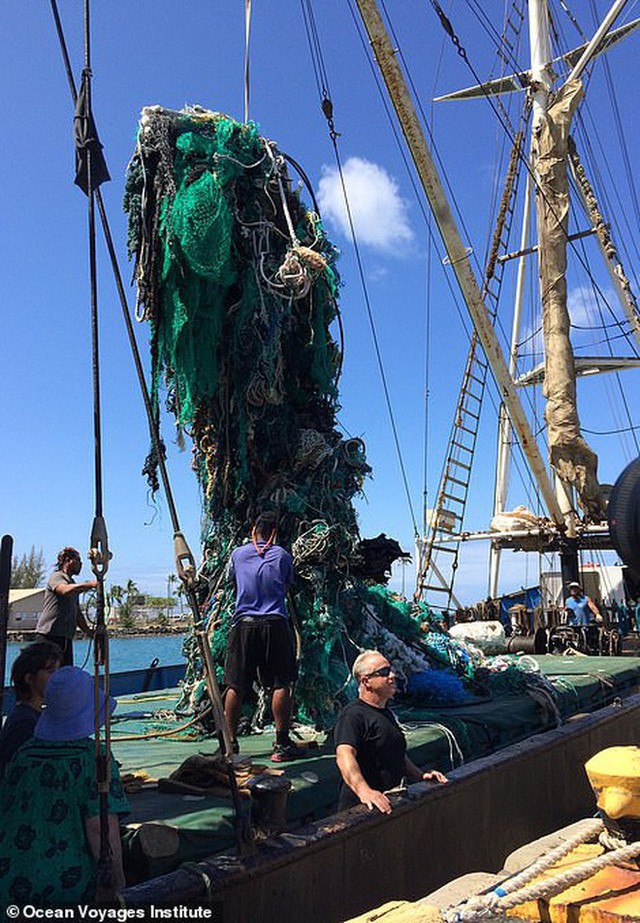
{"points": [[371, 750]]}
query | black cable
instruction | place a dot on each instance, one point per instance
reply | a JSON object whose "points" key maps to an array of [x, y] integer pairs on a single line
{"points": [[154, 434], [502, 47], [620, 132], [327, 108], [502, 116], [611, 432]]}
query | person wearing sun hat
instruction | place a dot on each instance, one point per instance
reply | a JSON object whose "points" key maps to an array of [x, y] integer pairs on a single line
{"points": [[581, 609], [49, 803]]}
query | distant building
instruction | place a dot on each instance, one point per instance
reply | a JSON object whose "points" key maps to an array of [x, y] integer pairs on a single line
{"points": [[25, 607]]}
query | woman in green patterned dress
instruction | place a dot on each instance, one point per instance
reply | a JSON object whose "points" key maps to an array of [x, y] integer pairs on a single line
{"points": [[49, 805]]}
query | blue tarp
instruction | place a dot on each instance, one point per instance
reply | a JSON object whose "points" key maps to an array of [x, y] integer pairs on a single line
{"points": [[529, 597]]}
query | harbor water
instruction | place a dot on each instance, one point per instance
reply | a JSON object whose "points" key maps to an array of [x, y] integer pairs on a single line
{"points": [[130, 653]]}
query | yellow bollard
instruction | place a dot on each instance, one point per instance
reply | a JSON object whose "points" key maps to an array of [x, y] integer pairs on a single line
{"points": [[614, 775]]}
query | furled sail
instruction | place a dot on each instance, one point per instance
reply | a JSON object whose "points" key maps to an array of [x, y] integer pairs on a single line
{"points": [[571, 457]]}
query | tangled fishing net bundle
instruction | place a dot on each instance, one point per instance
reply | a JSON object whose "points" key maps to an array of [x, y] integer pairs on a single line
{"points": [[238, 282]]}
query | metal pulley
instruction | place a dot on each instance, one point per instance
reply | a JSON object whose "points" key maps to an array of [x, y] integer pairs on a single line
{"points": [[99, 553], [185, 562]]}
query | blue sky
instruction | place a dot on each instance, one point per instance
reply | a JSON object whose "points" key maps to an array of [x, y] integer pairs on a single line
{"points": [[170, 54]]}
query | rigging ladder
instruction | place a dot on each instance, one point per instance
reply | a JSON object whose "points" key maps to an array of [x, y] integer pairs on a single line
{"points": [[439, 555]]}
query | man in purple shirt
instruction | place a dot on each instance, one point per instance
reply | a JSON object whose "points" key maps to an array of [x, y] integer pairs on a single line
{"points": [[260, 642]]}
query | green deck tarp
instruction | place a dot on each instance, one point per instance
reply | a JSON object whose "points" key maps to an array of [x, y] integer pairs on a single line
{"points": [[202, 826]]}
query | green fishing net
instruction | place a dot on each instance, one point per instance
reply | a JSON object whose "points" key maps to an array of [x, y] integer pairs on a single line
{"points": [[238, 282]]}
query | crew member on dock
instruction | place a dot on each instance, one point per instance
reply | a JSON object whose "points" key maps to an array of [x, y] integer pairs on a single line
{"points": [[581, 609], [371, 750], [260, 641], [61, 612]]}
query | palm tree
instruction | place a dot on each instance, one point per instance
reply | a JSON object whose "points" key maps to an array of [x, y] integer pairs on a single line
{"points": [[171, 580], [125, 598]]}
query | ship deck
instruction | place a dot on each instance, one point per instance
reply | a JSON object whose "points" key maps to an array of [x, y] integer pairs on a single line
{"points": [[167, 829]]}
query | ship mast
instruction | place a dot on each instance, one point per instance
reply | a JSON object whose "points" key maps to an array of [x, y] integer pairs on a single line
{"points": [[573, 461], [541, 85], [570, 455]]}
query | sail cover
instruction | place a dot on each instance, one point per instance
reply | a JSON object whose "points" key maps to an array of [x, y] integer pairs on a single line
{"points": [[571, 457]]}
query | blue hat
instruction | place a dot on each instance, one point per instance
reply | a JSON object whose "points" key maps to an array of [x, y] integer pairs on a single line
{"points": [[68, 712]]}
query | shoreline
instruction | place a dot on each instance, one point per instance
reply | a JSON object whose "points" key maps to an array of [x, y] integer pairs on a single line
{"points": [[27, 636]]}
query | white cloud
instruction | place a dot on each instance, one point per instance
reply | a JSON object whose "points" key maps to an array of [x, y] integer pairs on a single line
{"points": [[582, 303], [380, 214]]}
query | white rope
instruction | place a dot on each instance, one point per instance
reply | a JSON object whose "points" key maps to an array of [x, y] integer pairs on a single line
{"points": [[448, 733], [574, 876], [480, 907], [590, 830]]}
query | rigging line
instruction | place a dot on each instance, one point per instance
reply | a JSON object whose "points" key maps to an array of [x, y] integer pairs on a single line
{"points": [[621, 138], [153, 427], [374, 335], [99, 553], [586, 143], [327, 108], [453, 199], [315, 46], [618, 380], [427, 331], [519, 461], [405, 159], [573, 21], [585, 136], [180, 546], [464, 317], [499, 111], [426, 214], [584, 263], [247, 39], [627, 410], [616, 323], [606, 337], [431, 246], [426, 128], [611, 339], [533, 354], [419, 197], [427, 395], [306, 11], [502, 47], [611, 432], [462, 314], [313, 55]]}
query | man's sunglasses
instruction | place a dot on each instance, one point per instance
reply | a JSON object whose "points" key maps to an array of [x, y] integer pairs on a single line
{"points": [[383, 671]]}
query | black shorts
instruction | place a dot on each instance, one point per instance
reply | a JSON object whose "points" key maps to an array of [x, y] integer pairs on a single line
{"points": [[261, 646]]}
